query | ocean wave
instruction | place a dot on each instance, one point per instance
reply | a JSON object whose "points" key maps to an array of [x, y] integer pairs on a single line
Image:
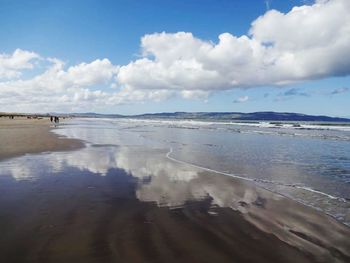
{"points": [[332, 132], [256, 180]]}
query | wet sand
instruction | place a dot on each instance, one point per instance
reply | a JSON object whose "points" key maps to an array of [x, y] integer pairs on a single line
{"points": [[21, 135], [106, 203], [98, 219]]}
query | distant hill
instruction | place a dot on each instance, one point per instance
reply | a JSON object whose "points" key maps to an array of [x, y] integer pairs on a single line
{"points": [[237, 116]]}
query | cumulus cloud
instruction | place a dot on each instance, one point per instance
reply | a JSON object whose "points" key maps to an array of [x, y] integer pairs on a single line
{"points": [[308, 42], [60, 89], [96, 72], [241, 99], [12, 64]]}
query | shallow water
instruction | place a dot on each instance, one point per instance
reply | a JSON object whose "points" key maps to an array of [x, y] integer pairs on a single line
{"points": [[145, 190], [313, 169]]}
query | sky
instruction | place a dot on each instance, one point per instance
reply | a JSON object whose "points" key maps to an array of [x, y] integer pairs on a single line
{"points": [[131, 56]]}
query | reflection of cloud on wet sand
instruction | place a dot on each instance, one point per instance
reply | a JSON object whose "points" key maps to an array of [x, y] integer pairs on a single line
{"points": [[98, 160], [20, 171], [94, 159], [27, 167], [168, 183], [290, 221]]}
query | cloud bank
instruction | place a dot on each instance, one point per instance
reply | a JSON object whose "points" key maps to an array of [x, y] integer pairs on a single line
{"points": [[309, 42]]}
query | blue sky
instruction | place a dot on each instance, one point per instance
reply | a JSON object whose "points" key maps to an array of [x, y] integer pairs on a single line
{"points": [[76, 32]]}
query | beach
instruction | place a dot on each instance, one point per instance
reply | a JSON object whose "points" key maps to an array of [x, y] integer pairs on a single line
{"points": [[179, 131], [22, 135], [131, 196]]}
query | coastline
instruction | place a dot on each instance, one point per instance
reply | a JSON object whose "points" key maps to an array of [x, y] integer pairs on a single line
{"points": [[21, 136]]}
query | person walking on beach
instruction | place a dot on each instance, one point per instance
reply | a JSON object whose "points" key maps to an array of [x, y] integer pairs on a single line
{"points": [[51, 118]]}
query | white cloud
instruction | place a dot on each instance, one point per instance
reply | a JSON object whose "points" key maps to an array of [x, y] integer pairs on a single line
{"points": [[12, 64], [241, 99], [309, 42], [195, 94], [59, 89], [96, 72]]}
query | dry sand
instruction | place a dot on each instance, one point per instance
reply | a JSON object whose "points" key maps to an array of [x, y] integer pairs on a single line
{"points": [[21, 135]]}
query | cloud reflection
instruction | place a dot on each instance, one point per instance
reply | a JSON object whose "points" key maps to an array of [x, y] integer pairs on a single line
{"points": [[168, 183]]}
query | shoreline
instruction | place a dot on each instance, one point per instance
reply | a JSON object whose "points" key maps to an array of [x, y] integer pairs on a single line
{"points": [[20, 136]]}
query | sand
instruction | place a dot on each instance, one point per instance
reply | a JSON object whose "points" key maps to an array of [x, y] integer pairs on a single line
{"points": [[88, 218], [75, 215], [21, 135]]}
